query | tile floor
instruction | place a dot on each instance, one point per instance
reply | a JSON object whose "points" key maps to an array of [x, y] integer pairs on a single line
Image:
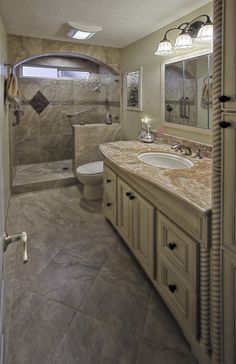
{"points": [[81, 298], [31, 177]]}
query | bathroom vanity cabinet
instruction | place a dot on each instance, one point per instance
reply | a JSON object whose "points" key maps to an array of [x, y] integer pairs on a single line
{"points": [[168, 237], [135, 222]]}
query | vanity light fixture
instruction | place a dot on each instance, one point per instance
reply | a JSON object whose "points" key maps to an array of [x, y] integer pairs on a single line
{"points": [[194, 31], [82, 32]]}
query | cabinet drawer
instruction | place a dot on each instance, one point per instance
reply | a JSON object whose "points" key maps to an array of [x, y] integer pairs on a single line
{"points": [[109, 205], [180, 297], [109, 179], [177, 246]]}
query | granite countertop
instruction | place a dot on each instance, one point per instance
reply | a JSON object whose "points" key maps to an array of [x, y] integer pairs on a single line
{"points": [[192, 185]]}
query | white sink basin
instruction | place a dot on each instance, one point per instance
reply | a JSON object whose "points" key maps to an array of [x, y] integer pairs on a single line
{"points": [[165, 160]]}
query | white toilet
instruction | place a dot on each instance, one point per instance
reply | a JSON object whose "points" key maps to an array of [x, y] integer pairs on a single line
{"points": [[91, 176]]}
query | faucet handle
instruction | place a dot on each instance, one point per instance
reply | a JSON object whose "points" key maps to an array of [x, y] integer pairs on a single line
{"points": [[176, 146], [198, 154]]}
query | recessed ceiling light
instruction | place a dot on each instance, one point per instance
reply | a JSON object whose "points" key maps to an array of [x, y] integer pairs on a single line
{"points": [[82, 32]]}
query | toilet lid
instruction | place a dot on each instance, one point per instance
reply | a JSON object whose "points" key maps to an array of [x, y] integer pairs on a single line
{"points": [[91, 168]]}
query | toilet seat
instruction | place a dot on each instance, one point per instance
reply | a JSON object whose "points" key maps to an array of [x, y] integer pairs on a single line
{"points": [[91, 168]]}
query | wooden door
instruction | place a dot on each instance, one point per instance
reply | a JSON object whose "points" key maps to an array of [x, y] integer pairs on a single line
{"points": [[229, 54], [229, 183]]}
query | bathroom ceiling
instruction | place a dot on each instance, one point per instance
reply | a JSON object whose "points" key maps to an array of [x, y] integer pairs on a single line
{"points": [[123, 21]]}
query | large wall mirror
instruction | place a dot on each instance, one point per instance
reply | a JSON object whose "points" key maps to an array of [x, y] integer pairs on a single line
{"points": [[188, 92]]}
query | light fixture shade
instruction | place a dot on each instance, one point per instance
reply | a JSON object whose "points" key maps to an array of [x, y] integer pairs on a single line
{"points": [[164, 48], [205, 34], [183, 41], [81, 32]]}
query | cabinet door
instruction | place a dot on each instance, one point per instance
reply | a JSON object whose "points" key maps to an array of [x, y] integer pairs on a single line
{"points": [[229, 79], [109, 205], [143, 232], [229, 183], [109, 195], [124, 211], [229, 306]]}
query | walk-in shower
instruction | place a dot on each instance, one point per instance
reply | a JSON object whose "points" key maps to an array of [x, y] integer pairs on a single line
{"points": [[57, 91]]}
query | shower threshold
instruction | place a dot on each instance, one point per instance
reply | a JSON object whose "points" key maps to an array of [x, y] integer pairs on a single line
{"points": [[33, 177]]}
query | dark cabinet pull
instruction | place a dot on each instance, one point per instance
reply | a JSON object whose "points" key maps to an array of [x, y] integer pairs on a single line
{"points": [[224, 124], [132, 197], [224, 98], [109, 204], [108, 180], [128, 193], [172, 288], [172, 246]]}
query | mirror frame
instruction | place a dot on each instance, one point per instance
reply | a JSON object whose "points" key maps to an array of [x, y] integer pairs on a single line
{"points": [[140, 106], [190, 55]]}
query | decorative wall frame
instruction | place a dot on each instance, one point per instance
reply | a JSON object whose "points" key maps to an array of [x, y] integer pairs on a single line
{"points": [[133, 88]]}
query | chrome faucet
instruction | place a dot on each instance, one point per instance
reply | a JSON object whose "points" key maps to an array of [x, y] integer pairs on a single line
{"points": [[187, 150], [182, 148]]}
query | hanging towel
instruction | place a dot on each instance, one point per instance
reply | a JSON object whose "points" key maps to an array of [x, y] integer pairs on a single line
{"points": [[11, 88], [206, 97]]}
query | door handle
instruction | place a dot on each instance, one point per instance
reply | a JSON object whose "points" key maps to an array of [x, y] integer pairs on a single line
{"points": [[224, 98], [224, 124], [8, 239]]}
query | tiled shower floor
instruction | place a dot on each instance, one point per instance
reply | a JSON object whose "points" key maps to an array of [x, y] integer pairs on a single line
{"points": [[32, 177], [82, 298]]}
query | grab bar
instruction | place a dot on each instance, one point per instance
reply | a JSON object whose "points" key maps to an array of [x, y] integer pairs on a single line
{"points": [[80, 112]]}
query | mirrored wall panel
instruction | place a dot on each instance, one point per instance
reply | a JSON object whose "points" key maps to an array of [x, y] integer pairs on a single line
{"points": [[188, 92]]}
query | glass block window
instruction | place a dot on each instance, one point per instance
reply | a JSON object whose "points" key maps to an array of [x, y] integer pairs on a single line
{"points": [[39, 72], [66, 73], [55, 73]]}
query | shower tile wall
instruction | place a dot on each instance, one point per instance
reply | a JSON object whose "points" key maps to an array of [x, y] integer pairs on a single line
{"points": [[47, 136]]}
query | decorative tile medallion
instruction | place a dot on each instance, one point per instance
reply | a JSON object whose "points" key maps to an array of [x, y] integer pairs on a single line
{"points": [[39, 102]]}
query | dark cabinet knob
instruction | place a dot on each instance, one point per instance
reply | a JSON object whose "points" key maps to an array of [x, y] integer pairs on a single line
{"points": [[132, 197], [109, 204], [172, 246], [172, 288], [224, 98], [128, 193], [224, 124], [108, 180]]}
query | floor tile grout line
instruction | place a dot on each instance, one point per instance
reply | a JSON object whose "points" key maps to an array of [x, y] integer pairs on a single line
{"points": [[37, 293], [90, 287], [62, 337], [149, 303], [122, 329]]}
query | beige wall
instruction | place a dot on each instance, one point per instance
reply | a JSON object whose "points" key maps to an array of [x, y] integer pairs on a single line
{"points": [[4, 130], [139, 54], [20, 48]]}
